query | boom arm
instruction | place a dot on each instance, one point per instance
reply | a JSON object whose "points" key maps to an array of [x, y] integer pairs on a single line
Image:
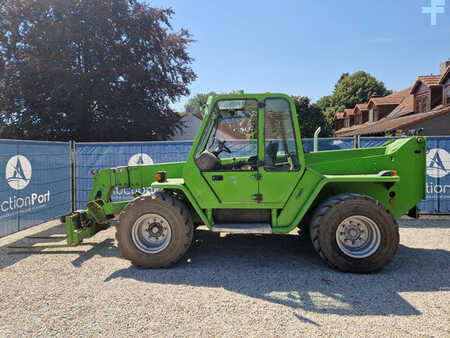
{"points": [[100, 209]]}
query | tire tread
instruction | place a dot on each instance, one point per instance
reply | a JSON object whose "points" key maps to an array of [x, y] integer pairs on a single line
{"points": [[171, 203], [328, 205]]}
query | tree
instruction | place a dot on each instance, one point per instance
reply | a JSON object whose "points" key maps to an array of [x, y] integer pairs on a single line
{"points": [[326, 102], [343, 76], [196, 102], [97, 70], [349, 91], [357, 88], [310, 117]]}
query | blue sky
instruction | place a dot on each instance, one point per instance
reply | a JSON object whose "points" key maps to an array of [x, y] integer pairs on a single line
{"points": [[301, 47]]}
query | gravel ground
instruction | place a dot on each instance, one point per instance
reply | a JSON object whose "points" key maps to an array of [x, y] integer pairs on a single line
{"points": [[234, 285]]}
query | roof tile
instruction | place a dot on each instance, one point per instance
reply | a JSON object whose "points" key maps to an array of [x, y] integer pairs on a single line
{"points": [[387, 124], [348, 112], [362, 106], [339, 116], [427, 80], [445, 75]]}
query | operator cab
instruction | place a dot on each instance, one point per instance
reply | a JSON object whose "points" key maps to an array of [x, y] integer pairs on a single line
{"points": [[230, 139]]}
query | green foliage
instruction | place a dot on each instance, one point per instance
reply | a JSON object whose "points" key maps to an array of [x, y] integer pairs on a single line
{"points": [[349, 91], [343, 76], [97, 70], [326, 102], [196, 102], [310, 117], [357, 88]]}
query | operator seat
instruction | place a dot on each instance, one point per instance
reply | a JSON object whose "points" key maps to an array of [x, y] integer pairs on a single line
{"points": [[271, 152], [207, 161]]}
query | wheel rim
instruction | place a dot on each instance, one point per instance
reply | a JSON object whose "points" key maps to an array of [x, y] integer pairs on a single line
{"points": [[151, 233], [358, 236]]}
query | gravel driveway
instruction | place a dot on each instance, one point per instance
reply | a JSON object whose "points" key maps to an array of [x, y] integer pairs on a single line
{"points": [[233, 285]]}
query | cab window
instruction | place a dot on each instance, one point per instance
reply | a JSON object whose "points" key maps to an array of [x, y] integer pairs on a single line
{"points": [[231, 141], [280, 146]]}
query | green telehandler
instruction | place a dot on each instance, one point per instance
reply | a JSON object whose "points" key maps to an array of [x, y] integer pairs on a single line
{"points": [[247, 173]]}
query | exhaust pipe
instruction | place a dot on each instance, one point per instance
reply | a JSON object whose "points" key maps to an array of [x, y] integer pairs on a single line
{"points": [[316, 139]]}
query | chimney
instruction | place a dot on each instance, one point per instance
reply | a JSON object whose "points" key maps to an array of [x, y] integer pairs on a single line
{"points": [[444, 66]]}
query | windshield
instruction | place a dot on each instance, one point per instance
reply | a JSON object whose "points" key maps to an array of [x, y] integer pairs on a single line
{"points": [[234, 121]]}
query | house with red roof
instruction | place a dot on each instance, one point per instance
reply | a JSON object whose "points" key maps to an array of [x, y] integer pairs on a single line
{"points": [[445, 83], [349, 118], [361, 112], [339, 120], [425, 105]]}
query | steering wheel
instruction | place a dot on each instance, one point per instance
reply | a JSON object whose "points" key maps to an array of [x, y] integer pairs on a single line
{"points": [[221, 147], [292, 159]]}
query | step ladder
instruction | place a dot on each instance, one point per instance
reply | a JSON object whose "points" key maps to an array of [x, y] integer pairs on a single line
{"points": [[243, 228]]}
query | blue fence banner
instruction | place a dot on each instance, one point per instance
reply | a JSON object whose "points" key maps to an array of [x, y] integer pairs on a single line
{"points": [[328, 144], [91, 156], [370, 142], [34, 185], [35, 177], [438, 176], [105, 155]]}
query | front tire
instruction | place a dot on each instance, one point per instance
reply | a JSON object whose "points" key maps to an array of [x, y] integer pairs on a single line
{"points": [[155, 231], [354, 233]]}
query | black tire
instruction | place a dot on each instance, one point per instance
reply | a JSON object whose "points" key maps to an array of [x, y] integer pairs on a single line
{"points": [[304, 226], [178, 219], [332, 213]]}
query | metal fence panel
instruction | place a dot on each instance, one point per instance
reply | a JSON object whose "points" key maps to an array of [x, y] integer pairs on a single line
{"points": [[370, 142], [438, 175], [106, 155], [8, 218], [328, 144], [36, 187], [37, 180]]}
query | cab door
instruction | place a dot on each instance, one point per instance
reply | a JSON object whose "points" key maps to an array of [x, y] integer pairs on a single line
{"points": [[235, 182], [281, 164]]}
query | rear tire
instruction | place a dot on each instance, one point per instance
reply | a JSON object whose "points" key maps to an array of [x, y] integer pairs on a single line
{"points": [[155, 231], [354, 233]]}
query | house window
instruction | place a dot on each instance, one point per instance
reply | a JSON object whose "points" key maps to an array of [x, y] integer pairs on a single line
{"points": [[418, 105], [425, 104], [365, 117], [448, 95]]}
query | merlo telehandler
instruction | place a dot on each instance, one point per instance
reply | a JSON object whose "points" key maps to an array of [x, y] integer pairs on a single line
{"points": [[247, 173]]}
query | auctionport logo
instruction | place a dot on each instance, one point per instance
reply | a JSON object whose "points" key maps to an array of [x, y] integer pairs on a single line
{"points": [[438, 163], [18, 176], [140, 159], [18, 172], [136, 159], [438, 167]]}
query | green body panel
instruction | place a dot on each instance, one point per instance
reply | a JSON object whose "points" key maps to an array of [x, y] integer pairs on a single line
{"points": [[178, 184], [287, 195], [235, 188]]}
